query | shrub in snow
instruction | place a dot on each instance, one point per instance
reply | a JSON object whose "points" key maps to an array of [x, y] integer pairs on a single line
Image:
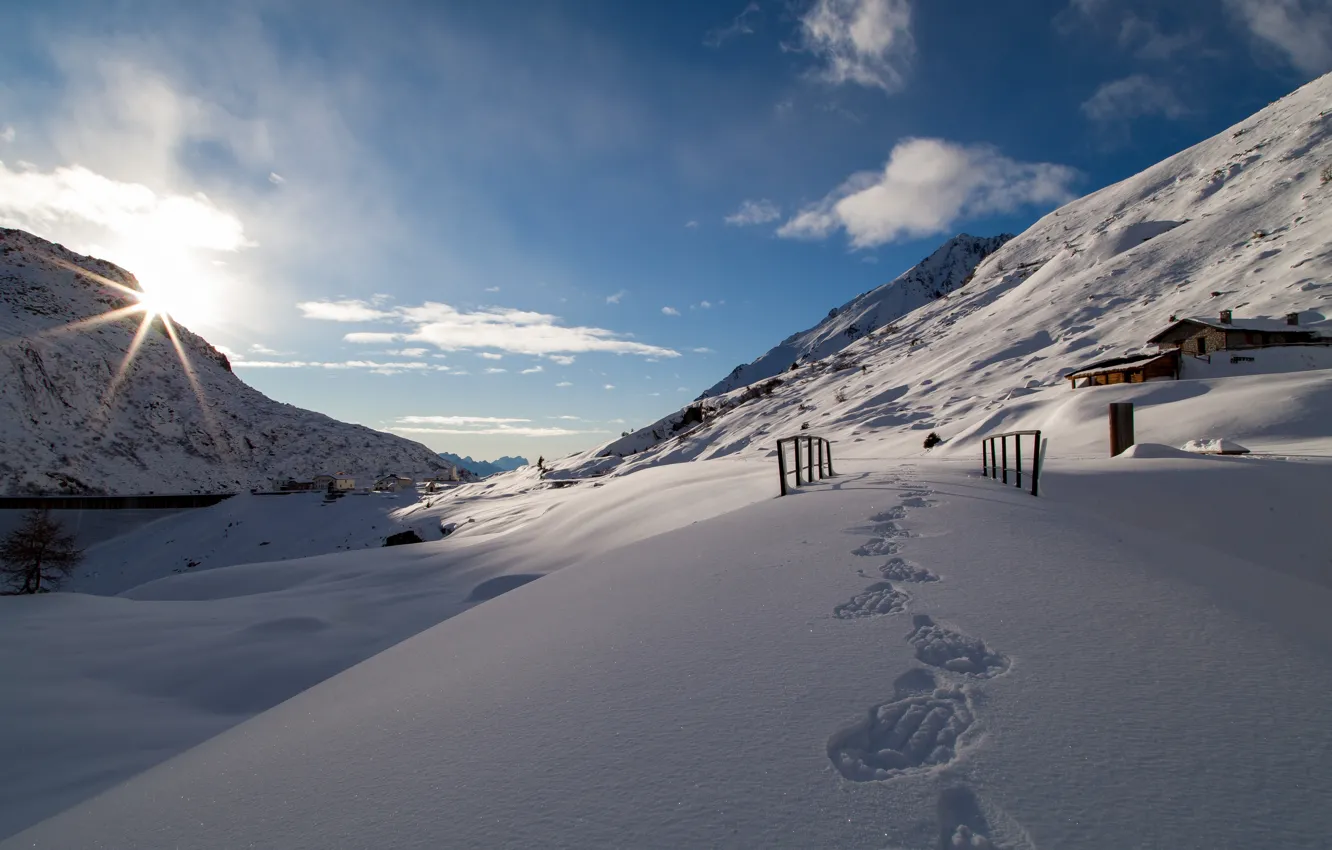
{"points": [[1326, 175], [932, 439], [402, 538]]}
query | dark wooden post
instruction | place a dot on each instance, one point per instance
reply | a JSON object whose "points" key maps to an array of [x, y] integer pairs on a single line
{"points": [[1121, 427], [985, 457], [831, 472], [1004, 449], [1037, 451], [795, 441], [820, 464], [809, 458], [1017, 456], [781, 464]]}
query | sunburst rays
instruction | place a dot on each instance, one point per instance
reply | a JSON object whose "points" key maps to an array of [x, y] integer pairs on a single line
{"points": [[148, 314]]}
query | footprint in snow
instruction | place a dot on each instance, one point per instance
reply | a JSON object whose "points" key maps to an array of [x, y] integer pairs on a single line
{"points": [[918, 502], [921, 728], [878, 599], [888, 516], [953, 651], [877, 548], [962, 822], [901, 570]]}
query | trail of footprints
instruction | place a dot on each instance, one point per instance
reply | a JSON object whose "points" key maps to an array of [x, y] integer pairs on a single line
{"points": [[930, 716]]}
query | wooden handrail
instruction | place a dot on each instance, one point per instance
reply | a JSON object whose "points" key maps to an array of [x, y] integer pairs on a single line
{"points": [[992, 464], [817, 462]]}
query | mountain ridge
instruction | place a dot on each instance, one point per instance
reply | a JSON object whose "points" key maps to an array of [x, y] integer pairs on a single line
{"points": [[485, 468], [63, 431], [944, 270]]}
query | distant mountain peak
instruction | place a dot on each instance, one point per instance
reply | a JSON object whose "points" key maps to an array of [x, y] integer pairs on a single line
{"points": [[949, 267], [485, 468]]}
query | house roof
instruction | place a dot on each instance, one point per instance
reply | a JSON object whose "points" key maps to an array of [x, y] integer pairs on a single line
{"points": [[1119, 364], [1256, 324]]}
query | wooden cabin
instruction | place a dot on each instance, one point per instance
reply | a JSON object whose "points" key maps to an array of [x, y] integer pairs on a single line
{"points": [[1201, 336], [1127, 370]]}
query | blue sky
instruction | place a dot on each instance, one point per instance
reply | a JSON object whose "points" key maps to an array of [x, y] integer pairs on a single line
{"points": [[523, 227]]}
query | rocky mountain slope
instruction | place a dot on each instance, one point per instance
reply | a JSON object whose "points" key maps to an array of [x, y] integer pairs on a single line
{"points": [[933, 277], [62, 431], [1237, 222], [484, 468]]}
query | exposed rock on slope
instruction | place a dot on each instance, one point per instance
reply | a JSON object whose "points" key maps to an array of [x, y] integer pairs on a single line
{"points": [[933, 277], [58, 436]]}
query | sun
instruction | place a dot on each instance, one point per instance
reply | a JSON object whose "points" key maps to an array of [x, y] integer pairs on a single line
{"points": [[176, 285]]}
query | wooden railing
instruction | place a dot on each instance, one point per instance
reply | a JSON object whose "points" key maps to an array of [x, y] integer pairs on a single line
{"points": [[994, 464], [815, 464]]}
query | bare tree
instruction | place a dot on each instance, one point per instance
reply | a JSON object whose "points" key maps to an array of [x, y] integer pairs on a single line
{"points": [[38, 555]]}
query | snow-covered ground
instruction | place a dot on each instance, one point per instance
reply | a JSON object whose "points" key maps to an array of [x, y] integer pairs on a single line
{"points": [[1088, 670], [906, 656]]}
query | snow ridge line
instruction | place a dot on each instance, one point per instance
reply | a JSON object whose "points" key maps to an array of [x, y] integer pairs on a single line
{"points": [[929, 719]]}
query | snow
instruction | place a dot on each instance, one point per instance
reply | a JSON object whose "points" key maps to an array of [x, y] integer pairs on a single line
{"points": [[933, 277], [646, 648], [1217, 446], [1070, 681], [58, 436]]}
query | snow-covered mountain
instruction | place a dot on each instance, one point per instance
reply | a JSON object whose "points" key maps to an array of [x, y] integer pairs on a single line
{"points": [[934, 277], [484, 468], [1238, 222], [58, 434]]}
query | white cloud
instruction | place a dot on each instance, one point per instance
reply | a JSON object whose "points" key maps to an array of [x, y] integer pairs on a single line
{"points": [[508, 432], [761, 211], [492, 289], [569, 418], [669, 311], [410, 352], [926, 186], [489, 355], [1299, 29], [702, 350], [260, 348], [615, 299], [705, 305], [8, 134], [276, 179], [867, 42], [495, 371], [377, 367], [349, 310], [561, 359], [618, 422], [75, 200], [488, 425], [740, 25], [682, 389], [509, 330], [564, 384], [534, 370], [460, 420], [1133, 97], [373, 338], [609, 387], [691, 224]]}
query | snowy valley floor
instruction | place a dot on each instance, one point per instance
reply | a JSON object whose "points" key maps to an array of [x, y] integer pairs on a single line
{"points": [[1131, 660]]}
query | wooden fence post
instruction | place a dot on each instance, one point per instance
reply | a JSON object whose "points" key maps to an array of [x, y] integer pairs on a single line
{"points": [[1004, 449], [781, 464], [1121, 427], [795, 441]]}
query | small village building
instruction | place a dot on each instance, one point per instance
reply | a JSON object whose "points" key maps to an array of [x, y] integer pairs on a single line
{"points": [[1201, 336], [336, 481], [395, 484], [1127, 370], [291, 485]]}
